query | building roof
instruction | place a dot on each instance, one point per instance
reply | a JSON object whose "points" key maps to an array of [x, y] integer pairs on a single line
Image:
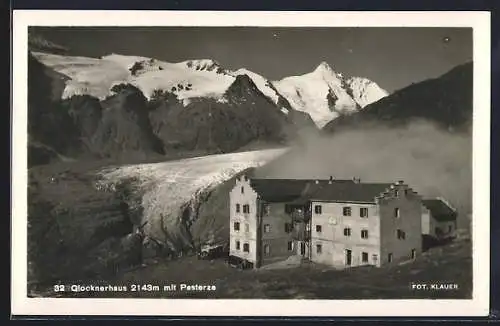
{"points": [[289, 190], [440, 210], [350, 192]]}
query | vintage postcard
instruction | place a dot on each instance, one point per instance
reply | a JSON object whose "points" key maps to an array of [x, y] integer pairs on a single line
{"points": [[251, 163]]}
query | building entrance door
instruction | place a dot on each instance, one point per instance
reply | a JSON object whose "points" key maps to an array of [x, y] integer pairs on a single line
{"points": [[302, 248], [348, 257]]}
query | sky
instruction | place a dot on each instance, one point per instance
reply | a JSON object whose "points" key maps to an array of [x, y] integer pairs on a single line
{"points": [[393, 57]]}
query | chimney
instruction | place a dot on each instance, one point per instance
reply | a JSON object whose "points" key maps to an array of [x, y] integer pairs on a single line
{"points": [[356, 180], [330, 180]]}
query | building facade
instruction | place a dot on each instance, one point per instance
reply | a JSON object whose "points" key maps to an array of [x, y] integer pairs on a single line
{"points": [[439, 219], [341, 223]]}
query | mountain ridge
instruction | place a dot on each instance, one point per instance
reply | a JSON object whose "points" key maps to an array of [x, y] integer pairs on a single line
{"points": [[205, 78]]}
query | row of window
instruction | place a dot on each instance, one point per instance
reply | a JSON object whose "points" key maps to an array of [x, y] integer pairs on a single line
{"points": [[318, 209], [347, 211], [267, 248], [267, 227], [364, 255], [246, 208], [400, 234], [246, 246], [236, 226], [288, 228], [347, 232]]}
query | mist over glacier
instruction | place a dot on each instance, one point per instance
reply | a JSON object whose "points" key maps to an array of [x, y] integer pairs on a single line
{"points": [[434, 161]]}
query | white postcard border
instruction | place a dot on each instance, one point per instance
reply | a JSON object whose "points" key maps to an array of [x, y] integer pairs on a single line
{"points": [[478, 306]]}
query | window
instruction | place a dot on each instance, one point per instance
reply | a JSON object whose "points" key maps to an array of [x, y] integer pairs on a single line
{"points": [[389, 257], [363, 212], [236, 226], [346, 211], [406, 192], [364, 234], [347, 232], [266, 209], [246, 247], [237, 208], [318, 228], [267, 228], [290, 245], [242, 190], [317, 209], [237, 245], [247, 227], [246, 178], [288, 227], [400, 234], [374, 258], [396, 212], [364, 257], [319, 248], [396, 193], [246, 208], [413, 254], [267, 249], [450, 228]]}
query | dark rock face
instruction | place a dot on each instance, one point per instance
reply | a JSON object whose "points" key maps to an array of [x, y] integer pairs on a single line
{"points": [[446, 100], [76, 231], [125, 126], [245, 115], [86, 112]]}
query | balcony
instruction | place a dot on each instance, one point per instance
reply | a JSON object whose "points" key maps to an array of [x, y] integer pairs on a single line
{"points": [[300, 216]]}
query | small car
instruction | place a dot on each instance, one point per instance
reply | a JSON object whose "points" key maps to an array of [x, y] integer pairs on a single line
{"points": [[211, 251], [239, 263]]}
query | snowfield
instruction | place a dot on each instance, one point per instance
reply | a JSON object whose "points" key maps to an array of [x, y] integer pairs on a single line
{"points": [[187, 79], [168, 188], [206, 78]]}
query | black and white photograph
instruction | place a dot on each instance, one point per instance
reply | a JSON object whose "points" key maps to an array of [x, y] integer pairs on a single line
{"points": [[298, 163]]}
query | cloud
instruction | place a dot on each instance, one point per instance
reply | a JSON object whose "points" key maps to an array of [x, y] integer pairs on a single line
{"points": [[433, 161]]}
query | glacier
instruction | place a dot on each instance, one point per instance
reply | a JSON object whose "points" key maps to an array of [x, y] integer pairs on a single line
{"points": [[166, 189]]}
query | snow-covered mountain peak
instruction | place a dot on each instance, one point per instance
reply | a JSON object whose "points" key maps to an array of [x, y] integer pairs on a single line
{"points": [[324, 67], [325, 94]]}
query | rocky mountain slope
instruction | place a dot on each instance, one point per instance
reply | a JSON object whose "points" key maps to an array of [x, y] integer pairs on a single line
{"points": [[446, 101]]}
